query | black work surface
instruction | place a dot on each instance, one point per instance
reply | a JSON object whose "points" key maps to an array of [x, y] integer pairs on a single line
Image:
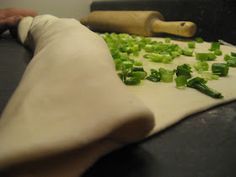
{"points": [[203, 145]]}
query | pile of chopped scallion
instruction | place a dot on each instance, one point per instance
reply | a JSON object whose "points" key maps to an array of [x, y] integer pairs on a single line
{"points": [[126, 48]]}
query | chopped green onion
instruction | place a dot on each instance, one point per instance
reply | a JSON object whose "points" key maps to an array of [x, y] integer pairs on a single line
{"points": [[220, 69], [227, 57], [199, 40], [191, 44], [118, 64], [137, 68], [155, 76], [230, 60], [199, 84], [166, 75], [205, 56], [138, 74], [184, 70], [127, 64], [149, 48], [132, 81], [188, 52], [167, 40], [201, 66], [231, 63], [155, 57], [215, 46], [181, 81], [175, 54], [209, 76], [218, 52], [159, 58], [166, 58], [233, 54], [138, 63]]}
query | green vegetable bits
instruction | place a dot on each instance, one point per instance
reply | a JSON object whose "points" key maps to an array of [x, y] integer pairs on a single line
{"points": [[215, 46], [184, 70], [199, 40], [230, 59], [159, 58], [191, 44], [124, 48], [181, 81], [166, 75], [220, 69], [233, 54], [199, 84], [205, 56], [155, 76], [187, 52], [201, 66]]}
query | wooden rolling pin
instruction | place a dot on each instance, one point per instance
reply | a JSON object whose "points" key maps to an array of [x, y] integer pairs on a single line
{"points": [[144, 23]]}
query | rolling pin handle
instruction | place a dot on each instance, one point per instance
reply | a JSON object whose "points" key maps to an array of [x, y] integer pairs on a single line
{"points": [[180, 28]]}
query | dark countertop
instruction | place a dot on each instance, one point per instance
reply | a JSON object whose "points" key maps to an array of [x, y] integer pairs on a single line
{"points": [[203, 145]]}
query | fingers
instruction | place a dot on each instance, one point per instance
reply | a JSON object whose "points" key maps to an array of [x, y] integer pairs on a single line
{"points": [[9, 18], [19, 12], [10, 21], [2, 29], [7, 23]]}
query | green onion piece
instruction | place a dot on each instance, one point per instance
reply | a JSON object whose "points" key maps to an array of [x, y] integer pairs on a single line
{"points": [[167, 40], [121, 76], [132, 81], [187, 52], [155, 76], [201, 66], [155, 57], [227, 57], [230, 60], [233, 54], [184, 70], [137, 68], [127, 64], [166, 58], [215, 46], [199, 84], [220, 69], [199, 40], [209, 76], [123, 56], [138, 63], [138, 74], [205, 56], [175, 54], [118, 64], [191, 44], [149, 48], [181, 81], [231, 63], [166, 75], [218, 52]]}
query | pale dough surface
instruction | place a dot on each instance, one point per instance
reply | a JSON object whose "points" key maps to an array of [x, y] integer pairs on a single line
{"points": [[170, 104], [71, 108]]}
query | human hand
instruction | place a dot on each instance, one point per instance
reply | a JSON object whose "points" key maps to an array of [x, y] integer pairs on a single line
{"points": [[10, 17]]}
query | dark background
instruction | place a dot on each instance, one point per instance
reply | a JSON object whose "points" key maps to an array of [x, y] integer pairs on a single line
{"points": [[215, 18]]}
